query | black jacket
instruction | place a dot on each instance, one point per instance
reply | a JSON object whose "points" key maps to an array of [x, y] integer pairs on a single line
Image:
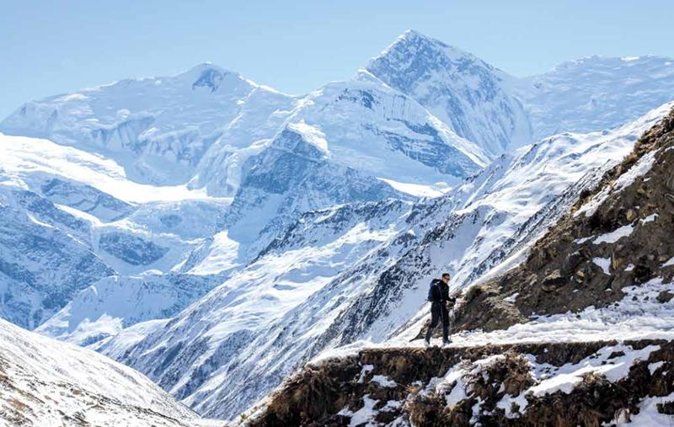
{"points": [[440, 292]]}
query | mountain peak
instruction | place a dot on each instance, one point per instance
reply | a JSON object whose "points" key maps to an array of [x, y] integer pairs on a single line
{"points": [[206, 66], [412, 42], [455, 86]]}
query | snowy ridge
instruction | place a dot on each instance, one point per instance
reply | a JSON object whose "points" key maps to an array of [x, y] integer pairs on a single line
{"points": [[73, 218], [147, 125]]}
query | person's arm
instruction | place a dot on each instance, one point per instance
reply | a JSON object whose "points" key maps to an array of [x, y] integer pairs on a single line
{"points": [[452, 297]]}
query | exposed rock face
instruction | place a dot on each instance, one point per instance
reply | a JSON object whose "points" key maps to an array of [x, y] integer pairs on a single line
{"points": [[526, 384], [617, 235], [43, 260]]}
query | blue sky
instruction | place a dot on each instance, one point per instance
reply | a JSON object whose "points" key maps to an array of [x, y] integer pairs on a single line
{"points": [[49, 47]]}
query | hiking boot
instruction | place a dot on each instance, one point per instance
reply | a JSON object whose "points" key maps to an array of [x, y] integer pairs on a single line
{"points": [[445, 343], [427, 343]]}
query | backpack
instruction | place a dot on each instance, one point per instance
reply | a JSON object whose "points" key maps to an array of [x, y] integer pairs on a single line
{"points": [[430, 296]]}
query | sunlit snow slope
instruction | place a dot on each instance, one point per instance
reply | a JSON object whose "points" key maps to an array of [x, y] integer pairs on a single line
{"points": [[44, 382]]}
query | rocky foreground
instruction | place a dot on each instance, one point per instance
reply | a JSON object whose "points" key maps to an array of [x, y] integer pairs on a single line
{"points": [[560, 384]]}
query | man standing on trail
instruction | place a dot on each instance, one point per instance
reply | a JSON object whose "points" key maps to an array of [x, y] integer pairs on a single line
{"points": [[441, 302]]}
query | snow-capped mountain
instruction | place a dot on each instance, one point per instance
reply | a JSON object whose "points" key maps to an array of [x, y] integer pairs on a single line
{"points": [[471, 96], [46, 382], [137, 161], [216, 234], [157, 129], [202, 126]]}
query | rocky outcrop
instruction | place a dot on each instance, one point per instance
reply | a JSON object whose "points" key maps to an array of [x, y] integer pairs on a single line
{"points": [[617, 235], [522, 384]]}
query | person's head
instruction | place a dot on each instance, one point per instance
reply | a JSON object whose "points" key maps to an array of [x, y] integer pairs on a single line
{"points": [[446, 277]]}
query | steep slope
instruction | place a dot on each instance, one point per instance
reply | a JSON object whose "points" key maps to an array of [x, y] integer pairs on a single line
{"points": [[43, 262], [539, 338], [240, 335], [45, 382], [224, 339], [471, 96], [406, 141], [502, 212], [616, 238], [596, 93]]}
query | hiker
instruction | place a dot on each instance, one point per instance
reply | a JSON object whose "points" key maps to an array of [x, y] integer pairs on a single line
{"points": [[441, 303]]}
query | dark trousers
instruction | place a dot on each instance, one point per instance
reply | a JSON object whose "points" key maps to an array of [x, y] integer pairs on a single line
{"points": [[439, 312]]}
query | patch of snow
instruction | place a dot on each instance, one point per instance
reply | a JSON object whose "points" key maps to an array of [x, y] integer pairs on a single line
{"points": [[366, 414], [615, 235], [603, 263], [649, 415], [655, 366], [642, 167], [383, 381], [649, 218], [363, 373], [391, 405], [506, 403]]}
